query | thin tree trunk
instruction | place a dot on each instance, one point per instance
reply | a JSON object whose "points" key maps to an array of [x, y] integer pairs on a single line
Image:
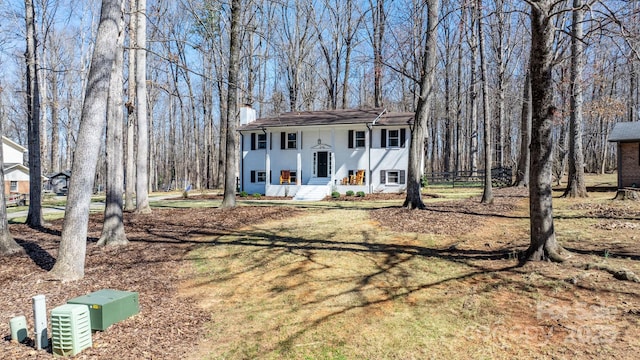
{"points": [[73, 243], [379, 21], [423, 110], [543, 244], [522, 174], [130, 172], [576, 186], [487, 194], [113, 228], [473, 94], [142, 155], [229, 199], [34, 217], [55, 124]]}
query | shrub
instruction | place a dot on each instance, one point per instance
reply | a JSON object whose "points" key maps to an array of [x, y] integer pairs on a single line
{"points": [[335, 195], [256, 195], [185, 194], [424, 182], [360, 194], [349, 193], [243, 194]]}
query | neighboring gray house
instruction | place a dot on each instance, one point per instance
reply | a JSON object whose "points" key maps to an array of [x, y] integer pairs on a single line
{"points": [[627, 135], [309, 154]]}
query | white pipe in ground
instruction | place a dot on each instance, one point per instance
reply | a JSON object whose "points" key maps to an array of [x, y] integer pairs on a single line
{"points": [[40, 321]]}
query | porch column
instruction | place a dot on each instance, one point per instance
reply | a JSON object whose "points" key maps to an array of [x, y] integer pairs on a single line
{"points": [[299, 169], [267, 166]]}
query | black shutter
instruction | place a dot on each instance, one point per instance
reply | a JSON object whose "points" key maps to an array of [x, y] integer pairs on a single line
{"points": [[253, 141], [403, 137], [383, 177], [283, 140], [269, 179], [350, 139], [402, 177], [383, 138], [253, 176], [270, 141]]}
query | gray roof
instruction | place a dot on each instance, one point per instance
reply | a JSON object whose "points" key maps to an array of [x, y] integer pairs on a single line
{"points": [[331, 117], [625, 131]]}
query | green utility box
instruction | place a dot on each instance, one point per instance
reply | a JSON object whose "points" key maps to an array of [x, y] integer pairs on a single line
{"points": [[107, 306]]}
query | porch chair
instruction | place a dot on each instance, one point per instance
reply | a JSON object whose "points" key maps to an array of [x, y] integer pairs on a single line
{"points": [[285, 176], [360, 177]]}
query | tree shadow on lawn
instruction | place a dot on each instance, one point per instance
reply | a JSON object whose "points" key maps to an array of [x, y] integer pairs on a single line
{"points": [[388, 260]]}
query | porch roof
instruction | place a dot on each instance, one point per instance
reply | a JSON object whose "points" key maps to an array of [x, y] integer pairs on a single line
{"points": [[332, 117]]}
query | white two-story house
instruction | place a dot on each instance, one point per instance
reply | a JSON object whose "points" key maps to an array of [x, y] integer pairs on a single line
{"points": [[310, 154]]}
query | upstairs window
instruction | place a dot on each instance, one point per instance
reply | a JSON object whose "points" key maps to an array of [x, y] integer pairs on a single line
{"points": [[262, 141], [394, 138], [356, 139], [288, 140], [258, 141]]}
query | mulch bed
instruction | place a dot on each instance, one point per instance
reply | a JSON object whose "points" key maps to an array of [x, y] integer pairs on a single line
{"points": [[154, 264]]}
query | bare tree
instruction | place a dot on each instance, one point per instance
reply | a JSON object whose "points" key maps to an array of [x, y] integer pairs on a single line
{"points": [[378, 16], [73, 243], [487, 194], [113, 228], [229, 199], [522, 173], [130, 172], [34, 217], [576, 186], [142, 153], [423, 109], [543, 245]]}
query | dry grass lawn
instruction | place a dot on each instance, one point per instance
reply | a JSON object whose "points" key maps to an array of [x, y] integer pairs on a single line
{"points": [[333, 283]]}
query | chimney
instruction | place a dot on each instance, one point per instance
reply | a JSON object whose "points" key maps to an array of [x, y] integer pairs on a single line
{"points": [[247, 114]]}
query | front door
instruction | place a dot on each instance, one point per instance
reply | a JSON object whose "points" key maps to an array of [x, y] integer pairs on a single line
{"points": [[323, 164]]}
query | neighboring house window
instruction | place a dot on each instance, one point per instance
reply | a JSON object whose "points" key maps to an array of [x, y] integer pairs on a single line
{"points": [[288, 140], [258, 176], [258, 141], [356, 139], [14, 186], [392, 177], [393, 138], [293, 177]]}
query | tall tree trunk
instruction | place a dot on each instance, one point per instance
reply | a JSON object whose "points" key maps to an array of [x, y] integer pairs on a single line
{"points": [[473, 93], [130, 172], [73, 243], [113, 228], [229, 199], [543, 244], [423, 109], [8, 246], [142, 155], [487, 194], [55, 124], [379, 22], [522, 173], [34, 217], [576, 186]]}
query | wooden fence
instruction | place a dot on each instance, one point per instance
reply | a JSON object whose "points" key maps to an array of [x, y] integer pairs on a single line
{"points": [[500, 177]]}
